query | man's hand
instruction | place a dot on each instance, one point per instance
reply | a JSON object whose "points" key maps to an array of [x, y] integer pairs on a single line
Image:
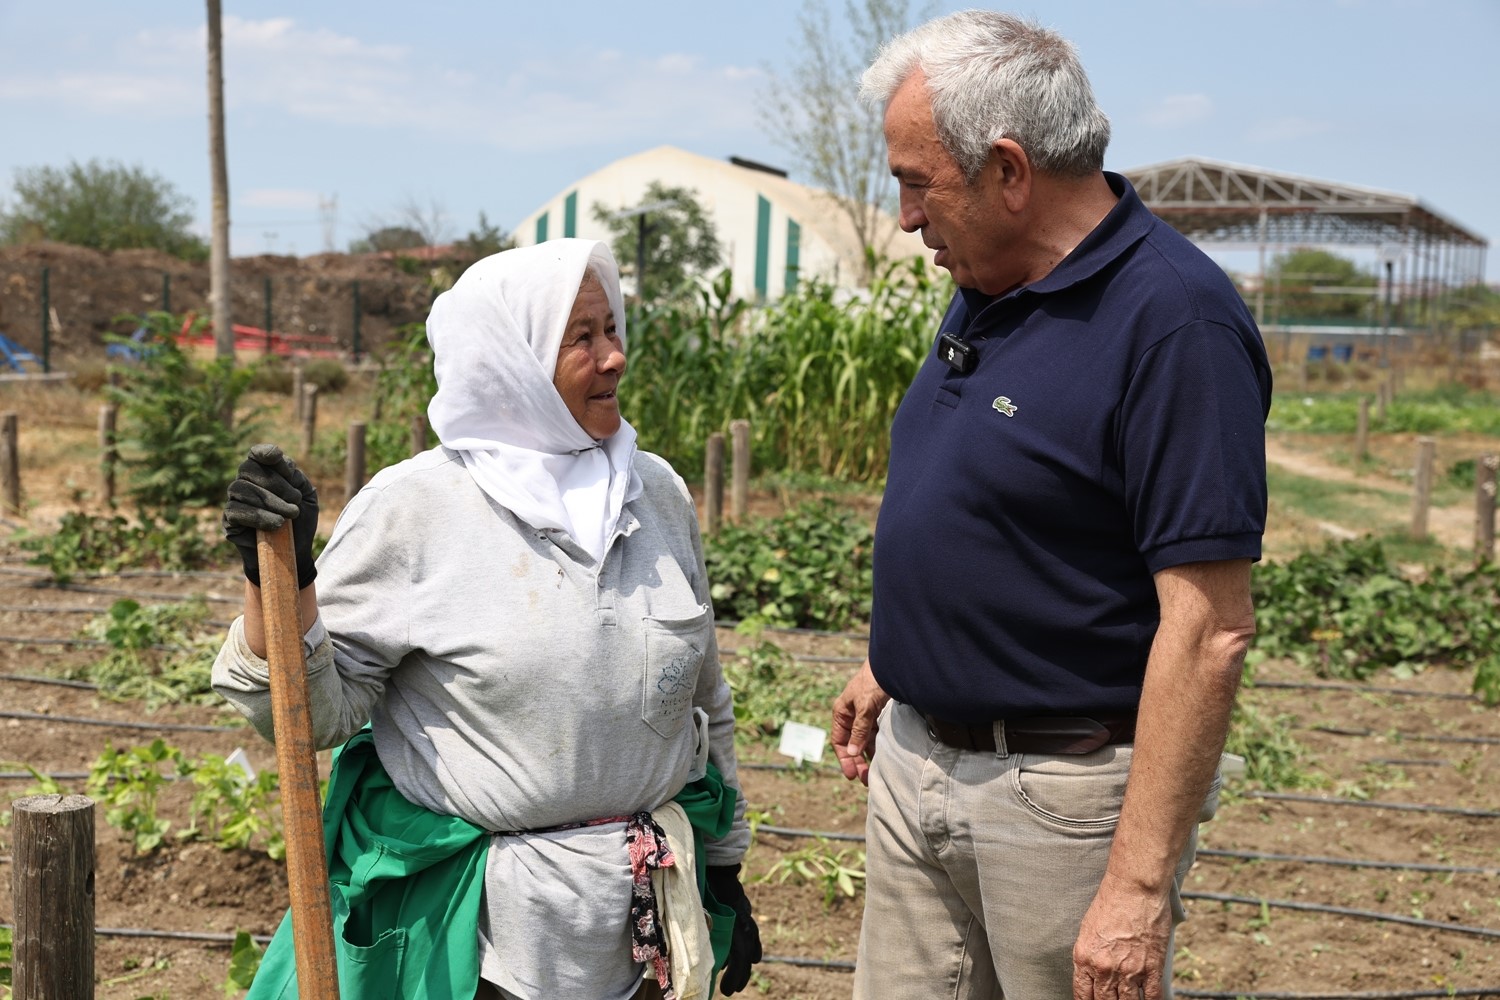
{"points": [[1121, 951], [854, 723], [269, 489]]}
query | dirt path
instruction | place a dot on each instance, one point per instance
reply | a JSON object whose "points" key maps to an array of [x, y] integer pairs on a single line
{"points": [[1451, 526]]}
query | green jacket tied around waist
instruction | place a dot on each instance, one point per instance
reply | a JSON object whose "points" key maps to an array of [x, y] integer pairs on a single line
{"points": [[407, 882]]}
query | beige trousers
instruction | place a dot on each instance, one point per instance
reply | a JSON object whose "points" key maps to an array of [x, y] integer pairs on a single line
{"points": [[980, 866]]}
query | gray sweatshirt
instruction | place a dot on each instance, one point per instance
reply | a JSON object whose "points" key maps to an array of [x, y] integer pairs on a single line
{"points": [[512, 681]]}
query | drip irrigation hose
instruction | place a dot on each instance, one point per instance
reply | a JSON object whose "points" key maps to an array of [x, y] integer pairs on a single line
{"points": [[1368, 804], [1409, 866], [1363, 688], [55, 681], [130, 574], [25, 640], [1433, 738], [782, 831], [112, 724], [1345, 911], [823, 633], [139, 932], [1473, 991], [799, 658]]}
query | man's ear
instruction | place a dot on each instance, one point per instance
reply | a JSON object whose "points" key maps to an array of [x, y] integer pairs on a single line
{"points": [[1013, 173]]}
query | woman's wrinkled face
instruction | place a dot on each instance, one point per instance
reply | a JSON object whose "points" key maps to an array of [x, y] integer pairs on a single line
{"points": [[590, 362]]}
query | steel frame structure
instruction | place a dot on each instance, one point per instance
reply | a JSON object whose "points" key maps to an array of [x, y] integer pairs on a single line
{"points": [[1249, 208]]}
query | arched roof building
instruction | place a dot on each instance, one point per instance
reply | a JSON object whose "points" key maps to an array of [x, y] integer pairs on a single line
{"points": [[773, 231]]}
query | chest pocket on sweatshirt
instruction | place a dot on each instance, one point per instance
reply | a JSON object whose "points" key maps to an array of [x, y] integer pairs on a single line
{"points": [[674, 655]]}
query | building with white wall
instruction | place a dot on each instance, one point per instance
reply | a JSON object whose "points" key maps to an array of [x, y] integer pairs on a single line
{"points": [[772, 231]]}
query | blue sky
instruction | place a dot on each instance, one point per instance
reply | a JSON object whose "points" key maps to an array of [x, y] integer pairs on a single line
{"points": [[459, 108]]}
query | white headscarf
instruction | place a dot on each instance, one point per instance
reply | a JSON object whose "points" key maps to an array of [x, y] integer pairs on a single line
{"points": [[495, 336]]}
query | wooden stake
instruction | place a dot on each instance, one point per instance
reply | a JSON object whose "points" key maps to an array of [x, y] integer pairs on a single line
{"points": [[297, 761], [739, 496], [52, 886], [354, 462], [1484, 506], [309, 419], [713, 483], [418, 434], [10, 464], [1362, 431], [1422, 497], [110, 457]]}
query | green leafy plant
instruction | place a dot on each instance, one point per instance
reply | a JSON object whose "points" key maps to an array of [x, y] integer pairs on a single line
{"points": [[7, 952], [234, 810], [403, 388], [837, 872], [127, 783], [809, 567], [1273, 758], [92, 543], [138, 667], [770, 689], [1346, 612], [244, 963], [181, 439]]}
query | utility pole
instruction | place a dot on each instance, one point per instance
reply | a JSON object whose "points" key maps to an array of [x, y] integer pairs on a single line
{"points": [[218, 269], [640, 212]]}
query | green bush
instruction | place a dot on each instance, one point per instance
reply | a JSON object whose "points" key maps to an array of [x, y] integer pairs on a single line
{"points": [[181, 439], [1347, 612], [328, 374], [808, 568], [90, 543]]}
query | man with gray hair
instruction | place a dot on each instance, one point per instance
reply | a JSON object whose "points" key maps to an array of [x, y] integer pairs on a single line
{"points": [[1062, 560]]}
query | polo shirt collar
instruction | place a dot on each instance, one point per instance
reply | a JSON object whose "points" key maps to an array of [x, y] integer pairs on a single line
{"points": [[1125, 225]]}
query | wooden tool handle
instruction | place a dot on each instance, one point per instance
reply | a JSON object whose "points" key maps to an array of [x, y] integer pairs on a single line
{"points": [[297, 760]]}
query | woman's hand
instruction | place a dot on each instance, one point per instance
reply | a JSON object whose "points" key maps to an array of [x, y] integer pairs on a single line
{"points": [[269, 489], [744, 945]]}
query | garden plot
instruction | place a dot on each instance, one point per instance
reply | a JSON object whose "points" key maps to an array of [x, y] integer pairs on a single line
{"points": [[1393, 771]]}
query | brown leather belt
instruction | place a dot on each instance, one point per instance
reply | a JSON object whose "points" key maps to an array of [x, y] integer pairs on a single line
{"points": [[1040, 734]]}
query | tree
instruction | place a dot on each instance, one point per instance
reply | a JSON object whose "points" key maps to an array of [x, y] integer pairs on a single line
{"points": [[388, 238], [1311, 284], [218, 262], [484, 239], [106, 206], [815, 114], [680, 240]]}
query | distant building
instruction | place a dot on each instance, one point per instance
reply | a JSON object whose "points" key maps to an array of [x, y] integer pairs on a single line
{"points": [[772, 230]]}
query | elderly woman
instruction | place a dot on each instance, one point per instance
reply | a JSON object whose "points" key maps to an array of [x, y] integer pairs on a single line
{"points": [[511, 637]]}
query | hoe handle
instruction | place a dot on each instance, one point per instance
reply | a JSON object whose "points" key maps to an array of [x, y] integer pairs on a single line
{"points": [[297, 760]]}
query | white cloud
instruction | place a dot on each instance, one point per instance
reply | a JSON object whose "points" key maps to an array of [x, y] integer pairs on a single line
{"points": [[283, 68], [1177, 110], [1287, 129], [278, 198]]}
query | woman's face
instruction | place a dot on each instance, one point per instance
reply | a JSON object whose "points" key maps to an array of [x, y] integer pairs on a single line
{"points": [[590, 362]]}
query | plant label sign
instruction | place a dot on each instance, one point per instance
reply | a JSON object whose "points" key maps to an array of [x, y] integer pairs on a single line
{"points": [[802, 742]]}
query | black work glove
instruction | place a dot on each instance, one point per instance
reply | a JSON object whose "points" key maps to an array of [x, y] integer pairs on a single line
{"points": [[268, 490], [744, 945]]}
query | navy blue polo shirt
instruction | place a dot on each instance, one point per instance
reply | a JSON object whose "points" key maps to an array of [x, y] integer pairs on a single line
{"points": [[1113, 426]]}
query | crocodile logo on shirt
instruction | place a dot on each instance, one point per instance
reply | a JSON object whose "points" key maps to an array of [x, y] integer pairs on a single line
{"points": [[1002, 404]]}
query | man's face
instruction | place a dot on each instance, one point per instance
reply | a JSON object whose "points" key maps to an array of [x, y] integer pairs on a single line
{"points": [[967, 224]]}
